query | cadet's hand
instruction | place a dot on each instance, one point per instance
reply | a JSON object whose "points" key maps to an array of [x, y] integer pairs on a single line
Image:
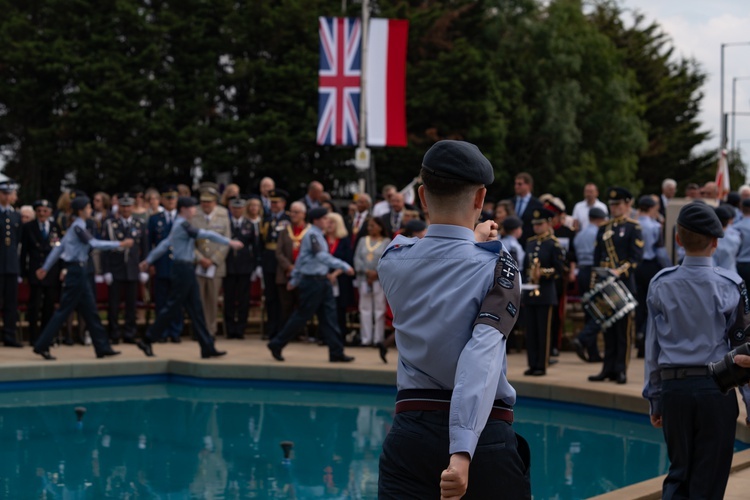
{"points": [[615, 272], [40, 274], [656, 421], [742, 360], [143, 266], [290, 287], [486, 231], [205, 263], [126, 243], [236, 244], [350, 272], [455, 479]]}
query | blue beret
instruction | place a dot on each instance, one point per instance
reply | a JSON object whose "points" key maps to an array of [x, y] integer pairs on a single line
{"points": [[597, 213], [79, 203], [458, 160], [618, 193], [512, 222], [186, 202], [724, 212], [646, 201], [316, 213], [415, 226], [700, 218]]}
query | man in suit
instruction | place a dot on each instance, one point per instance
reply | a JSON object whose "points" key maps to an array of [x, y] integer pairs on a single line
{"points": [[525, 204], [394, 219], [668, 191], [240, 266], [38, 238], [120, 269], [363, 203], [273, 223], [10, 224], [159, 226], [211, 256]]}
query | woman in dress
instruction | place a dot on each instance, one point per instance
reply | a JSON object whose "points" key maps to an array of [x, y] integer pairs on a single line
{"points": [[339, 245], [371, 296]]}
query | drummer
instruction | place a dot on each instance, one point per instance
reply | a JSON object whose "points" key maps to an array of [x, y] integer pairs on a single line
{"points": [[619, 248], [543, 264]]}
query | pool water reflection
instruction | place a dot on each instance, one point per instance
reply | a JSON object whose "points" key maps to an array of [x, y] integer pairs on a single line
{"points": [[178, 441]]}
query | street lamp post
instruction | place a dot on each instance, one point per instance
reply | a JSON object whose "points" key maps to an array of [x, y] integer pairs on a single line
{"points": [[723, 128], [734, 101]]}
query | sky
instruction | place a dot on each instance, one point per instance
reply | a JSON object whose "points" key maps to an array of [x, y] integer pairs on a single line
{"points": [[698, 28]]}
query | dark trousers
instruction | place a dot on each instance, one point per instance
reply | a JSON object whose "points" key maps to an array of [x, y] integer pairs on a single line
{"points": [[645, 271], [183, 293], [588, 335], [273, 306], [118, 291], [9, 297], [617, 342], [315, 298], [538, 334], [44, 298], [236, 304], [415, 453], [699, 428], [161, 292], [77, 294]]}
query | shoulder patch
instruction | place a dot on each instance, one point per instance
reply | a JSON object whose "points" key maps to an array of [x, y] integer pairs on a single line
{"points": [[494, 246], [83, 235], [315, 244], [190, 230]]}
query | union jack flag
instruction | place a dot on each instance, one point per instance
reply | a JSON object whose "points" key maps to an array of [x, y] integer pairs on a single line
{"points": [[339, 80]]}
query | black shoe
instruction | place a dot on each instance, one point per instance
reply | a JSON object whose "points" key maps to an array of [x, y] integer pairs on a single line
{"points": [[145, 347], [343, 358], [128, 340], [213, 354], [600, 377], [383, 351], [13, 343], [104, 354], [114, 341], [532, 372], [622, 378], [45, 354], [555, 352], [275, 352], [68, 341], [580, 350], [553, 362]]}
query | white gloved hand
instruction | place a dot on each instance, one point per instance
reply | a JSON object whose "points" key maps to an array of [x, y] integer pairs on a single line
{"points": [[20, 280], [143, 277], [108, 279], [257, 274], [98, 278]]}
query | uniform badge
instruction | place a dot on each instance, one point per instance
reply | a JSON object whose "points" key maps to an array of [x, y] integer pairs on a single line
{"points": [[739, 335], [159, 223], [622, 232], [507, 272], [537, 214], [613, 194], [512, 310], [745, 300], [607, 234]]}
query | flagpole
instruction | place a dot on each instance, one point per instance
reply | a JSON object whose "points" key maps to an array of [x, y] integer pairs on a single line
{"points": [[363, 89]]}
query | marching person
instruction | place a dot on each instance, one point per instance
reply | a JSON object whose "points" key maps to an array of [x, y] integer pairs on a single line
{"points": [[619, 248], [184, 291], [10, 224], [39, 238], [543, 265], [120, 269], [310, 275], [454, 303], [240, 266], [696, 313], [78, 293]]}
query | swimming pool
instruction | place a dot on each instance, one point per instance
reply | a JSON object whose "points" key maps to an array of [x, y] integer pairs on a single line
{"points": [[192, 439]]}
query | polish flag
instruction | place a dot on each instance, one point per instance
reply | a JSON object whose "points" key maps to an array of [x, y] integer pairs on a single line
{"points": [[386, 82], [722, 175]]}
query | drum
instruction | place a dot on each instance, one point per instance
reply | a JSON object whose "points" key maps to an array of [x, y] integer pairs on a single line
{"points": [[608, 302]]}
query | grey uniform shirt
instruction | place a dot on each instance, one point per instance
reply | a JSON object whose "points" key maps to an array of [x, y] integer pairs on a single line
{"points": [[181, 240], [435, 287], [696, 313], [75, 246]]}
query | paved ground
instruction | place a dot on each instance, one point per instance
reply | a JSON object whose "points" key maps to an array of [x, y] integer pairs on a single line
{"points": [[249, 358]]}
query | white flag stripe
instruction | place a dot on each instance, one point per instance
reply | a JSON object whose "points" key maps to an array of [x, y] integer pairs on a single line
{"points": [[377, 76]]}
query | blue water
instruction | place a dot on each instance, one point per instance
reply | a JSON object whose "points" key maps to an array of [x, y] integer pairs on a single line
{"points": [[192, 440]]}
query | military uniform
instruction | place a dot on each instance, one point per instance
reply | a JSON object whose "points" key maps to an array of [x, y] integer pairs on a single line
{"points": [[619, 246], [650, 265], [696, 314], [37, 241], [121, 271], [240, 266], [273, 225], [10, 226], [159, 227], [454, 303], [545, 256]]}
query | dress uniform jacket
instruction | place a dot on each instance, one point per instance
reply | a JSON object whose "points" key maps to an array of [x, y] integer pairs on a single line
{"points": [[619, 245], [35, 248], [123, 265], [10, 222], [215, 252], [285, 252], [245, 260], [270, 231], [551, 261]]}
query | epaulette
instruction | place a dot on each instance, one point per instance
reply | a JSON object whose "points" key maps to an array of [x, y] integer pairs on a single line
{"points": [[730, 275], [398, 243], [494, 246], [664, 271], [532, 238]]}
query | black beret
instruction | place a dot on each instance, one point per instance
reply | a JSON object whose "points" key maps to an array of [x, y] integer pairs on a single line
{"points": [[278, 193], [733, 198], [415, 226], [79, 203], [41, 203], [186, 202], [618, 193], [646, 201], [700, 218], [458, 160], [316, 213], [8, 186], [542, 215], [724, 213], [512, 222], [597, 213], [746, 202]]}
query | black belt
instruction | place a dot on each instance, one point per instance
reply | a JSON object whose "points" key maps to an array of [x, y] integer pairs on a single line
{"points": [[74, 264], [185, 262], [681, 372], [440, 400], [315, 277]]}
